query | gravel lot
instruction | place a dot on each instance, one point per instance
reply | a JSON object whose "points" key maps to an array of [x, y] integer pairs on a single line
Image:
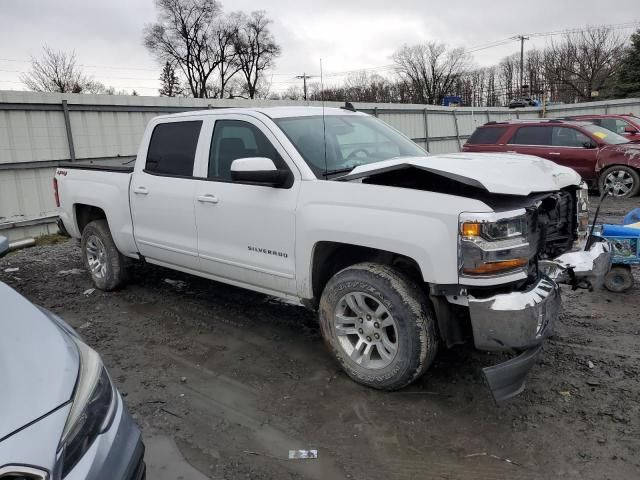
{"points": [[238, 379]]}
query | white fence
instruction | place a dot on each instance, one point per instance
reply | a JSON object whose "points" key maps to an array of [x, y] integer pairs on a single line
{"points": [[39, 130]]}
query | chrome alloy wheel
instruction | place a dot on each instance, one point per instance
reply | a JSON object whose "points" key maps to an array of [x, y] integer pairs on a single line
{"points": [[366, 331], [618, 183], [96, 256]]}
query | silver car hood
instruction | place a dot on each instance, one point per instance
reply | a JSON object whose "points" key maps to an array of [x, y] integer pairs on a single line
{"points": [[39, 363], [510, 174]]}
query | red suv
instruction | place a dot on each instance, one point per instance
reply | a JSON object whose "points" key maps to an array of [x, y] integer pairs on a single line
{"points": [[626, 125], [602, 157]]}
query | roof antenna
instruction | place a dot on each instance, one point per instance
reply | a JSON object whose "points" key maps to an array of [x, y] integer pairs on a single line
{"points": [[324, 126]]}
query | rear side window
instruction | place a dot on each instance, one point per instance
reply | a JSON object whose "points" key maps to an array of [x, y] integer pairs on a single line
{"points": [[172, 149], [532, 136], [486, 135]]}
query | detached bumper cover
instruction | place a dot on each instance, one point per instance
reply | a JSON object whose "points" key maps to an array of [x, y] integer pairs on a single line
{"points": [[506, 380]]}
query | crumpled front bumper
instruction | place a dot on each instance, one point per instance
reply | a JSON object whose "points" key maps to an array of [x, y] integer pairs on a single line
{"points": [[520, 321]]}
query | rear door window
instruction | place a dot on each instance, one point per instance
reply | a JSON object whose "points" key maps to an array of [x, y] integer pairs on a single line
{"points": [[172, 149], [532, 136], [486, 135]]}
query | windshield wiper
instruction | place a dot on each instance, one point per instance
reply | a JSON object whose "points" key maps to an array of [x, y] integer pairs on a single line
{"points": [[337, 171]]}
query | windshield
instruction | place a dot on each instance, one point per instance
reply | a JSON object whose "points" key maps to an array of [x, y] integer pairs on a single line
{"points": [[604, 135], [350, 141]]}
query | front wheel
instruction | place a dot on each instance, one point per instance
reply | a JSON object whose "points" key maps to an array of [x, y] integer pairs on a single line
{"points": [[107, 266], [620, 181], [378, 325]]}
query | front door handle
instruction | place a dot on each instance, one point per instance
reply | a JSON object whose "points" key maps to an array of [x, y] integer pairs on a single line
{"points": [[511, 151], [554, 153], [208, 198], [141, 190]]}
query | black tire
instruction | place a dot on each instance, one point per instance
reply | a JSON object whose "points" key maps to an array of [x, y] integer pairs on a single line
{"points": [[415, 339], [628, 174], [619, 279], [111, 273]]}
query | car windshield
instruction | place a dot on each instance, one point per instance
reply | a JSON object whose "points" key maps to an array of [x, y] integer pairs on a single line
{"points": [[351, 140], [604, 135]]}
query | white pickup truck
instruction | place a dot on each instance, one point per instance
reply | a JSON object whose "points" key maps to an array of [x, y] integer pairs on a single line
{"points": [[400, 252]]}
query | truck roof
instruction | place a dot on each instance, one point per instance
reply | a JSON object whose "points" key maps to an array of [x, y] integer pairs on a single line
{"points": [[271, 112]]}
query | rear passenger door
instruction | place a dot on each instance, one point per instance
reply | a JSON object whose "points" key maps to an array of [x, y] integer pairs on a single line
{"points": [[161, 195]]}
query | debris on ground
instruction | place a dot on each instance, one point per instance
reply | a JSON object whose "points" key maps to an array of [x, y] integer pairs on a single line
{"points": [[179, 284], [73, 271], [89, 291], [302, 454], [11, 270]]}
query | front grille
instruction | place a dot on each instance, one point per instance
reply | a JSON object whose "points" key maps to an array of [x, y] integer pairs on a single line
{"points": [[552, 223]]}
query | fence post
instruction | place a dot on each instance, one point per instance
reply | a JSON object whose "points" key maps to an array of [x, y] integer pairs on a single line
{"points": [[67, 126], [426, 126], [455, 121], [488, 116], [375, 112]]}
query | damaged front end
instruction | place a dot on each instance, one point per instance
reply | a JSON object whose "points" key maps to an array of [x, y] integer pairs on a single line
{"points": [[519, 319]]}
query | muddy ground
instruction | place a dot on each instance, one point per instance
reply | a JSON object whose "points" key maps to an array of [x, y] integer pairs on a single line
{"points": [[238, 379]]}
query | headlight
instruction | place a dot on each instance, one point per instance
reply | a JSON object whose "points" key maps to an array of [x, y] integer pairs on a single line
{"points": [[493, 243], [92, 408]]}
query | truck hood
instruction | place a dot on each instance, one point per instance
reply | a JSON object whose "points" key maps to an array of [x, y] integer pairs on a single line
{"points": [[39, 363], [502, 173]]}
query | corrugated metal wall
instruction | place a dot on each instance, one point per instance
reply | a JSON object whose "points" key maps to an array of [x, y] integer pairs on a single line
{"points": [[37, 130]]}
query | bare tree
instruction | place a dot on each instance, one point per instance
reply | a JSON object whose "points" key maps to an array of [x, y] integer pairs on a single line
{"points": [[586, 60], [58, 72], [225, 36], [430, 69], [255, 47], [183, 34]]}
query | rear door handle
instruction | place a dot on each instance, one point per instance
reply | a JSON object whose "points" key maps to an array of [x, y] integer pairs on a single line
{"points": [[511, 151], [141, 190], [208, 198], [554, 153]]}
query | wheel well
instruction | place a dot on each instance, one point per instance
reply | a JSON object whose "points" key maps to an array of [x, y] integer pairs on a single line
{"points": [[331, 257], [86, 214]]}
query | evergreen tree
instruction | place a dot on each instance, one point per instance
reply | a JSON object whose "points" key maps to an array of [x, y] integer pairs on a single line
{"points": [[170, 82], [628, 84]]}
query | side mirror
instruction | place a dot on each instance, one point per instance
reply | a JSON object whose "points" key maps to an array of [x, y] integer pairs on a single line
{"points": [[589, 144], [4, 246], [258, 170], [630, 130]]}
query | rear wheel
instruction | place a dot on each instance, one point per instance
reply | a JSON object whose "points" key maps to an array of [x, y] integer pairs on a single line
{"points": [[378, 325], [107, 266], [620, 181], [619, 279]]}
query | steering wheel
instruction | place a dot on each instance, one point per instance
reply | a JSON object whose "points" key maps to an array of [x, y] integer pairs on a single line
{"points": [[356, 151]]}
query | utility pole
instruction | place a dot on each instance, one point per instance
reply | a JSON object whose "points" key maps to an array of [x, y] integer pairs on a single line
{"points": [[522, 38], [304, 77]]}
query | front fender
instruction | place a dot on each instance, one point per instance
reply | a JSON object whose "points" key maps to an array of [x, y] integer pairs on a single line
{"points": [[417, 224]]}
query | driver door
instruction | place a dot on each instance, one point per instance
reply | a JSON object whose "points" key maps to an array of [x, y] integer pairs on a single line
{"points": [[246, 232]]}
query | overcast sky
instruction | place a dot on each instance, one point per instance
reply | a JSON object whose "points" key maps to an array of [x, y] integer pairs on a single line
{"points": [[347, 35]]}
